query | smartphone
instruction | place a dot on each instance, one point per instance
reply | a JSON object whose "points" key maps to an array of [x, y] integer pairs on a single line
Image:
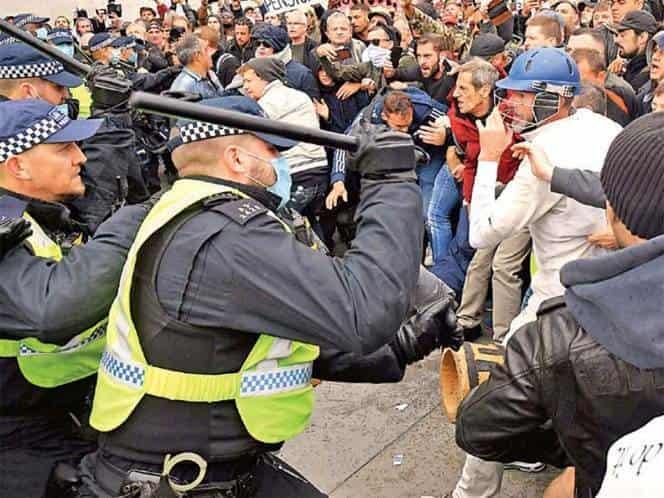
{"points": [[395, 56], [343, 53]]}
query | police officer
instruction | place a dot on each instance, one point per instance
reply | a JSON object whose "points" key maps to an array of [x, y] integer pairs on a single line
{"points": [[112, 174], [214, 335], [54, 295]]}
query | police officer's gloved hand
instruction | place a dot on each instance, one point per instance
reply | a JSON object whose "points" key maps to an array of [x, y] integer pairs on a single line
{"points": [[431, 328], [13, 231], [383, 154]]}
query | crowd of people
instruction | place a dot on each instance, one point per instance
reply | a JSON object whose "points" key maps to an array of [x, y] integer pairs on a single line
{"points": [[531, 220]]}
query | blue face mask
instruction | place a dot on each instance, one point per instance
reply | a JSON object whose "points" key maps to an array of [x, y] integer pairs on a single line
{"points": [[66, 49], [133, 59], [63, 108], [115, 57], [42, 34], [282, 187]]}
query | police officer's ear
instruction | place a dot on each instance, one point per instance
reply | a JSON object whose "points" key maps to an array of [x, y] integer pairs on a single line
{"points": [[234, 159], [17, 167], [27, 90]]}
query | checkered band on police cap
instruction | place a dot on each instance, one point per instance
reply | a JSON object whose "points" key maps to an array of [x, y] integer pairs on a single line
{"points": [[21, 71], [196, 130], [32, 136]]}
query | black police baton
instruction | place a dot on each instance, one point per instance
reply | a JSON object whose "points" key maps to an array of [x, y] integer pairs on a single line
{"points": [[70, 64], [165, 106]]}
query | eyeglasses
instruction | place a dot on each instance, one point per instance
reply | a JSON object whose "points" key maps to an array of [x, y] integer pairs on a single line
{"points": [[295, 24], [376, 41], [263, 43]]}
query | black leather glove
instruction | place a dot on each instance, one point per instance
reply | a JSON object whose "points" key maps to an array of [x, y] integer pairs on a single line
{"points": [[13, 231], [382, 152], [431, 328]]}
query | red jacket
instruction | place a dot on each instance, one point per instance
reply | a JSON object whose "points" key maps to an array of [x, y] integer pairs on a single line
{"points": [[468, 139]]}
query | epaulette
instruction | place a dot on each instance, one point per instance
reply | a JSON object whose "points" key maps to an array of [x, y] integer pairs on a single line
{"points": [[11, 207], [241, 211], [550, 305]]}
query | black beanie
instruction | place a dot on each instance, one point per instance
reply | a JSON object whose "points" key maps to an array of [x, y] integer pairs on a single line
{"points": [[633, 176]]}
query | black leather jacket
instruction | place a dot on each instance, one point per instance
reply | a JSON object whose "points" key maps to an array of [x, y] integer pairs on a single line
{"points": [[555, 371]]}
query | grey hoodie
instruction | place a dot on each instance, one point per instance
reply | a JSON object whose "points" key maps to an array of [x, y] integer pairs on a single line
{"points": [[619, 300]]}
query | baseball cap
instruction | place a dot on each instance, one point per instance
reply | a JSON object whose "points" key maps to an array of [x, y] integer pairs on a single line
{"points": [[99, 41], [60, 36], [18, 60], [23, 19], [487, 45], [24, 124], [638, 20], [194, 131], [124, 42]]}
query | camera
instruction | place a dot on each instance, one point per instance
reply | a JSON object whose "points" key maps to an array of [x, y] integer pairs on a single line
{"points": [[114, 8]]}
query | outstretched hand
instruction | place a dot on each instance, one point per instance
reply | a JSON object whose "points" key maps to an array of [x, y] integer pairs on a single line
{"points": [[540, 165]]}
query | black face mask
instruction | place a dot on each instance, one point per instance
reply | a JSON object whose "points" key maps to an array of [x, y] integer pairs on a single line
{"points": [[73, 107], [227, 24]]}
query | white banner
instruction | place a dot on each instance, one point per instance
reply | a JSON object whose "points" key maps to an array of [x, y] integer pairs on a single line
{"points": [[279, 6]]}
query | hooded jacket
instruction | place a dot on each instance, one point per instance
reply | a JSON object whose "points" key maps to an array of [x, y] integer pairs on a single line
{"points": [[593, 363]]}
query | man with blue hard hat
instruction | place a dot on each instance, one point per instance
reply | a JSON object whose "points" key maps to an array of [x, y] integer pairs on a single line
{"points": [[54, 295], [535, 100], [216, 273]]}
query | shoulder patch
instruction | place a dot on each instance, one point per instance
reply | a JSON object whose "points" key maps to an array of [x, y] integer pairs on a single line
{"points": [[241, 211], [550, 305], [11, 207]]}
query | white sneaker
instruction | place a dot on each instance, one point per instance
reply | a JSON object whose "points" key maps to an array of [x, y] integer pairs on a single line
{"points": [[531, 468]]}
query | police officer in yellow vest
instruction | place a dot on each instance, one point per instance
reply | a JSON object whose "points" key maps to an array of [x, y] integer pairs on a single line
{"points": [[222, 318], [54, 296]]}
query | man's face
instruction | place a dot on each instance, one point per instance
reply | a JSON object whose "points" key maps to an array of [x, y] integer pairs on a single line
{"points": [[380, 37], [155, 36], [84, 26], [147, 16], [536, 39], [296, 26], [53, 171], [658, 103], [584, 41], [569, 14], [62, 23], [214, 23], [45, 90], [263, 49], [359, 20], [126, 54], [136, 30], [588, 75], [115, 20], [206, 53], [273, 19], [657, 65], [398, 121], [242, 35], [252, 85], [602, 17], [227, 19], [428, 59], [621, 7], [628, 43], [339, 30], [453, 9], [470, 100], [517, 109]]}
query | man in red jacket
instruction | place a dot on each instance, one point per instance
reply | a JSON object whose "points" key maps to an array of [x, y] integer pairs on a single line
{"points": [[473, 100]]}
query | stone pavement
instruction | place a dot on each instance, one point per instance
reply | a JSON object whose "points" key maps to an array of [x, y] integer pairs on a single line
{"points": [[357, 434]]}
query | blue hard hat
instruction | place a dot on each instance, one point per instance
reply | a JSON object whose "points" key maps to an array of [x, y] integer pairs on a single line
{"points": [[19, 61], [193, 131], [543, 70], [24, 124]]}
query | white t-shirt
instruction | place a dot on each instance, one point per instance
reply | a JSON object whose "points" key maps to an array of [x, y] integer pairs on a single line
{"points": [[635, 464]]}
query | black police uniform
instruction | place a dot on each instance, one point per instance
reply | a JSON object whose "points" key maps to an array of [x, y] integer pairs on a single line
{"points": [[52, 302]]}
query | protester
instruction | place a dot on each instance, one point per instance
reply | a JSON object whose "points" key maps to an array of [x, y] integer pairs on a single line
{"points": [[242, 46], [196, 76]]}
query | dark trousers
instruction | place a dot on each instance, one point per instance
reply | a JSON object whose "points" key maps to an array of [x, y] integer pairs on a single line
{"points": [[272, 478]]}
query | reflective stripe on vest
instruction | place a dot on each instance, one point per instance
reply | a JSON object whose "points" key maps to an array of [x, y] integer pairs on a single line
{"points": [[272, 390], [51, 365]]}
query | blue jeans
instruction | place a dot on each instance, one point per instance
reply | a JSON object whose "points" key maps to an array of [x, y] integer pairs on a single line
{"points": [[426, 178], [454, 265], [445, 199]]}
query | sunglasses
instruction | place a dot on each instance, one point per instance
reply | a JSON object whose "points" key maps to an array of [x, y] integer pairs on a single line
{"points": [[376, 42], [263, 43]]}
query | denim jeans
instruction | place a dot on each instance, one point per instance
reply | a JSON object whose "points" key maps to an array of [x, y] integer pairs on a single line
{"points": [[454, 265], [445, 199], [426, 178]]}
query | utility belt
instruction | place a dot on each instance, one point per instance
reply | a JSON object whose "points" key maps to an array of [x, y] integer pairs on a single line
{"points": [[185, 475]]}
